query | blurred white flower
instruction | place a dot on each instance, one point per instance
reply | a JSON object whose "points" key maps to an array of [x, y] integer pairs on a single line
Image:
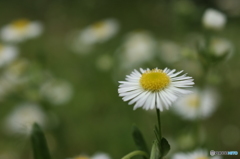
{"points": [[199, 104], [221, 46], [138, 47], [8, 53], [21, 119], [57, 92], [104, 62], [95, 156], [170, 52], [15, 71], [100, 31], [96, 33], [197, 154], [21, 30], [100, 156], [13, 76], [214, 19]]}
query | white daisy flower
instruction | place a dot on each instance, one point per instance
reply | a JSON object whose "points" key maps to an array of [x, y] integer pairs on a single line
{"points": [[154, 88], [197, 154], [8, 53], [99, 32], [213, 19], [138, 47], [21, 30], [23, 117], [199, 104], [57, 92]]}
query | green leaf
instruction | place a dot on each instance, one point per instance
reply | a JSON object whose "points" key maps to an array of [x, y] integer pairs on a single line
{"points": [[155, 154], [139, 140], [165, 147], [39, 143]]}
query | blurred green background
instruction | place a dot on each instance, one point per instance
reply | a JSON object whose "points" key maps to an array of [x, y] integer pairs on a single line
{"points": [[95, 118]]}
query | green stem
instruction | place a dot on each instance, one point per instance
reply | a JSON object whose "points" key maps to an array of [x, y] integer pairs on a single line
{"points": [[159, 124], [135, 153]]}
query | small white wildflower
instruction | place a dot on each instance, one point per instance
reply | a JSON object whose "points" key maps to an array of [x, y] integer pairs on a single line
{"points": [[15, 71], [199, 104], [214, 19], [8, 53], [57, 92], [22, 118], [221, 46], [138, 47], [100, 156], [98, 32], [21, 30]]}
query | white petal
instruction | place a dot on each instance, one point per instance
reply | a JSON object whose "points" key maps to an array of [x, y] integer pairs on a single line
{"points": [[153, 101], [171, 72], [149, 101], [125, 89], [142, 95], [159, 103], [165, 103], [142, 70], [174, 75], [142, 100]]}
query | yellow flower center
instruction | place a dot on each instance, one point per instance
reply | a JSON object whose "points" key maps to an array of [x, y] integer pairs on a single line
{"points": [[20, 24], [98, 25], [154, 80], [99, 28], [193, 101], [203, 157]]}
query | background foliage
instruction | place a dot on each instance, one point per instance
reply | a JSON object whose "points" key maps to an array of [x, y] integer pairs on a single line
{"points": [[96, 119]]}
